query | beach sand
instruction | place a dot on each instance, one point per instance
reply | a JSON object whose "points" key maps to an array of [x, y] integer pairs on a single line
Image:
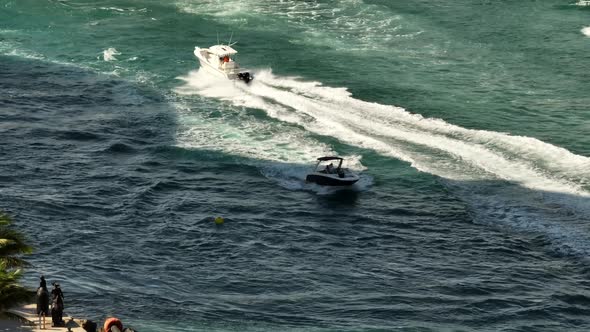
{"points": [[23, 318]]}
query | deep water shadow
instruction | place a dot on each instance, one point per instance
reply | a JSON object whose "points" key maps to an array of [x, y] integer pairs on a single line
{"points": [[339, 198], [555, 220]]}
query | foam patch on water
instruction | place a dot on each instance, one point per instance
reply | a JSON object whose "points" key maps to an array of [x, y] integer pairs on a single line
{"points": [[348, 25], [9, 31], [123, 10], [586, 31], [109, 54], [12, 49], [17, 50]]}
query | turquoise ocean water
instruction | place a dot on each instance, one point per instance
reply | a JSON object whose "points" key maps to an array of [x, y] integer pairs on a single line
{"points": [[468, 121]]}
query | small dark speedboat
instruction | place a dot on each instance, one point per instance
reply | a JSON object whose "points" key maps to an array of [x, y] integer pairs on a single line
{"points": [[326, 174]]}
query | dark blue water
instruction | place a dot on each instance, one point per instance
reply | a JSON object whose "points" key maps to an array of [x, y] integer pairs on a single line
{"points": [[115, 170]]}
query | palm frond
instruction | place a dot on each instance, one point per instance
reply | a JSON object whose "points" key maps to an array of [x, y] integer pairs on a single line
{"points": [[12, 246]]}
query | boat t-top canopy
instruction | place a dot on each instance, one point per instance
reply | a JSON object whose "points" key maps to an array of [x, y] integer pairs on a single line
{"points": [[222, 50], [329, 158]]}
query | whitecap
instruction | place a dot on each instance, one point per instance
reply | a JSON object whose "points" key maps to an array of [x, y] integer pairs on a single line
{"points": [[113, 9], [586, 31], [109, 54]]}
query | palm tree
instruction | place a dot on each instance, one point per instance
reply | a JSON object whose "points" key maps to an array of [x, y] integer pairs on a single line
{"points": [[12, 247]]}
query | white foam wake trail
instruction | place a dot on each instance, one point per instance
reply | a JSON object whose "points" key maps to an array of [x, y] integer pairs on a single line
{"points": [[201, 83], [533, 151], [283, 152], [586, 31], [430, 145], [560, 179], [558, 208]]}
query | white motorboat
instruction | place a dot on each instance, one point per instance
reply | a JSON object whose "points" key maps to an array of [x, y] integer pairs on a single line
{"points": [[219, 60], [329, 175]]}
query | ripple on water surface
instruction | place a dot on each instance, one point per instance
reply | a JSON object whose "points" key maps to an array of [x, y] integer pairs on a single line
{"points": [[101, 187]]}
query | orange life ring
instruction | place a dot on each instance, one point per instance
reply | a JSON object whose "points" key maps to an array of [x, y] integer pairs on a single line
{"points": [[110, 322]]}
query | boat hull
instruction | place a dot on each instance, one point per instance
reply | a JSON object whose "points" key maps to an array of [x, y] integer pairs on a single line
{"points": [[331, 179]]}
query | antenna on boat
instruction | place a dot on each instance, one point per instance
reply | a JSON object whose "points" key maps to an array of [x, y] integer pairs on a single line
{"points": [[217, 37], [230, 37]]}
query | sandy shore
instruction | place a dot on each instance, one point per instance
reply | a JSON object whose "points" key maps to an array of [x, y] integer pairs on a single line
{"points": [[23, 318]]}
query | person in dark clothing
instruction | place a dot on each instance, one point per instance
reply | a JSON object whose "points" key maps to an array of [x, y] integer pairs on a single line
{"points": [[43, 283], [56, 291], [330, 168], [57, 305], [42, 303]]}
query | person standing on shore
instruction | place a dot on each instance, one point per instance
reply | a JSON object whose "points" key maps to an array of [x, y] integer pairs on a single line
{"points": [[42, 302], [57, 305], [42, 282]]}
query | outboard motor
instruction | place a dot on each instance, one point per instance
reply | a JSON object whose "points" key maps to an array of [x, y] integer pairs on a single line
{"points": [[245, 76]]}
